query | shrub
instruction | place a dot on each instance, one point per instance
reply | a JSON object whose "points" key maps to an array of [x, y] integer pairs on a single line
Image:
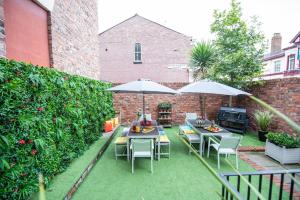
{"points": [[165, 105], [47, 118], [283, 140], [263, 119]]}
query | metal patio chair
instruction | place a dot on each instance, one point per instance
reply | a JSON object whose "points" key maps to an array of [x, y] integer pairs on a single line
{"points": [[141, 148], [191, 116], [227, 146]]}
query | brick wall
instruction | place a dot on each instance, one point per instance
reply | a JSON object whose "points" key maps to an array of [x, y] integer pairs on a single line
{"points": [[2, 30], [282, 94], [161, 49], [129, 104], [74, 37]]}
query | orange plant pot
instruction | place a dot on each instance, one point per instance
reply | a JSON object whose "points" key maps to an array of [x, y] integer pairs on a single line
{"points": [[108, 126]]}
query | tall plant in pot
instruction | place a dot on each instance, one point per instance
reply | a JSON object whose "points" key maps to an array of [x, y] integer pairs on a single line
{"points": [[263, 120]]}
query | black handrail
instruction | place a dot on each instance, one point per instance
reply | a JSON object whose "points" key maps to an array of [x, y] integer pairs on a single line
{"points": [[269, 173]]}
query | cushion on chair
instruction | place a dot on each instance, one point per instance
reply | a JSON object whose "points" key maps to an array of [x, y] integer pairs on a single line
{"points": [[193, 137], [121, 140], [223, 150], [227, 151], [141, 154], [187, 130], [164, 139]]}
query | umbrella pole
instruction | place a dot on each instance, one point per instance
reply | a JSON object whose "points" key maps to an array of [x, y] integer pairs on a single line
{"points": [[144, 116], [202, 100], [204, 106], [201, 105]]}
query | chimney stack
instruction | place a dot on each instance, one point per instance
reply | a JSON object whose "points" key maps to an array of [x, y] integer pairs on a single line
{"points": [[276, 43]]}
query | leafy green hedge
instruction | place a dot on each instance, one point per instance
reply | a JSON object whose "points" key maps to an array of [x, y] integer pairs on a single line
{"points": [[47, 118], [283, 140]]}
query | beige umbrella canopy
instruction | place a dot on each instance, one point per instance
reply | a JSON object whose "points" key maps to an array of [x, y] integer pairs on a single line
{"points": [[142, 86], [211, 87]]}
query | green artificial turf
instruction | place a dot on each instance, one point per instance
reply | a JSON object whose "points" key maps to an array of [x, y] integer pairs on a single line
{"points": [[251, 139], [181, 177], [61, 184]]}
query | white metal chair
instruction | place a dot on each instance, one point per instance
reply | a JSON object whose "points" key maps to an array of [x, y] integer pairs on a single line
{"points": [[191, 116], [228, 145], [141, 148]]}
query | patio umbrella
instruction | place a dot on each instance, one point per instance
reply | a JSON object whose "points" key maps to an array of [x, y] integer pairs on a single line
{"points": [[211, 87], [142, 86]]}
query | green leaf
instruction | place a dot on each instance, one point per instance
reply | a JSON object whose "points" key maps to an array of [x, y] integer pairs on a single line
{"points": [[3, 141], [4, 164]]}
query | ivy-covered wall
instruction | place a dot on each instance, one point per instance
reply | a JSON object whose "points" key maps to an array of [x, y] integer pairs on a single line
{"points": [[47, 118]]}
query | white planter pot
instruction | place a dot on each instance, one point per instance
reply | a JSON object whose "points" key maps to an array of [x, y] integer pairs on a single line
{"points": [[281, 154]]}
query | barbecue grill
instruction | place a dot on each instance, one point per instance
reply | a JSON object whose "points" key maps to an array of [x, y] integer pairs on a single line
{"points": [[233, 119]]}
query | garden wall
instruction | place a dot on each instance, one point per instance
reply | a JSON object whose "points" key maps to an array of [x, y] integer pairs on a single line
{"points": [[129, 104], [283, 94], [47, 119]]}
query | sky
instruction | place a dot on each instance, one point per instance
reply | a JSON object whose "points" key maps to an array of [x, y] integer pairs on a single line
{"points": [[194, 17]]}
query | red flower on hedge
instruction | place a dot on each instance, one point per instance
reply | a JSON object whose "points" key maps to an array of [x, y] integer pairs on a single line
{"points": [[22, 142], [40, 108], [29, 141], [34, 151]]}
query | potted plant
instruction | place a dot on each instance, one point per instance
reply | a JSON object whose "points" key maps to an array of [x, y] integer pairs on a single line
{"points": [[283, 148], [165, 106], [263, 120]]}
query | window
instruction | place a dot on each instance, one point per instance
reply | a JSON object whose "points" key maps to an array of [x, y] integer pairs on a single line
{"points": [[291, 62], [277, 65], [137, 53]]}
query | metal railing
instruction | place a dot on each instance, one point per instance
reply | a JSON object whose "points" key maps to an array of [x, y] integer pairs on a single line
{"points": [[229, 178]]}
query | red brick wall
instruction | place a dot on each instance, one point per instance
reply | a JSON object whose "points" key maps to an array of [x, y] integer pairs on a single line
{"points": [[131, 103], [282, 94]]}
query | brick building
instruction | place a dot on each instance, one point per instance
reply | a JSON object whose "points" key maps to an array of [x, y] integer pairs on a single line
{"points": [[282, 62], [62, 34], [140, 48]]}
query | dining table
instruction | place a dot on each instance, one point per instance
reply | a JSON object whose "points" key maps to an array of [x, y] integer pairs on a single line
{"points": [[205, 133], [154, 134]]}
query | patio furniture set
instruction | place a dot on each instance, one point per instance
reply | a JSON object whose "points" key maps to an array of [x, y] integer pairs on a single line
{"points": [[221, 140], [148, 144], [139, 143]]}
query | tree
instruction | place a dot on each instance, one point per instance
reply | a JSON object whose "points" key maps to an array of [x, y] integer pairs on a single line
{"points": [[239, 48], [201, 59]]}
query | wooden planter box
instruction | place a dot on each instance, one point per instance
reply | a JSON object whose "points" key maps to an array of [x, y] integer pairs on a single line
{"points": [[282, 154]]}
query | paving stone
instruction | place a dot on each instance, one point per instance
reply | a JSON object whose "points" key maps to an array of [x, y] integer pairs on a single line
{"points": [[260, 161]]}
